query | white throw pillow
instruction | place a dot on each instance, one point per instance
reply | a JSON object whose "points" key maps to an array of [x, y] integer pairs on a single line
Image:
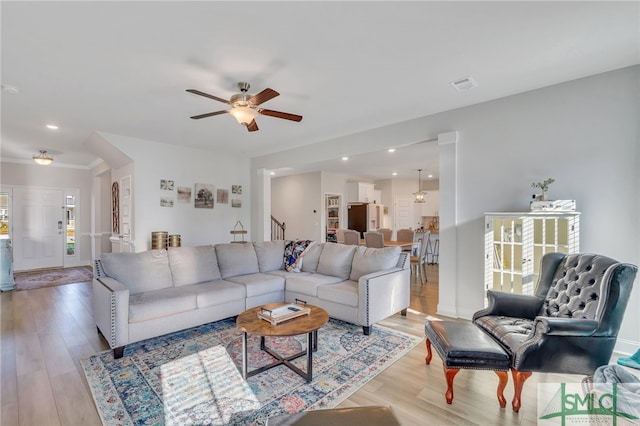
{"points": [[335, 260], [368, 260]]}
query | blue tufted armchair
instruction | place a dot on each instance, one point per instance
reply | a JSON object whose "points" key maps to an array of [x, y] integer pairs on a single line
{"points": [[570, 325]]}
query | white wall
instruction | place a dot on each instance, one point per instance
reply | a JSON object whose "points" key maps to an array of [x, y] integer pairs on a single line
{"points": [[297, 201], [18, 174], [583, 133], [155, 161]]}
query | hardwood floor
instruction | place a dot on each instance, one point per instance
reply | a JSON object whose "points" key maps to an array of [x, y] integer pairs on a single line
{"points": [[44, 332]]}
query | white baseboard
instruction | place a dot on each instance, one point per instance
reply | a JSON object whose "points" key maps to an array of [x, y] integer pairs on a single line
{"points": [[626, 347]]}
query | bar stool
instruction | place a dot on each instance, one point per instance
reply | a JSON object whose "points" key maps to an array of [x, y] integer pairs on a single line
{"points": [[433, 249]]}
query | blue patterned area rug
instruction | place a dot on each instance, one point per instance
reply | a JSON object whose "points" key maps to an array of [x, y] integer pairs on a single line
{"points": [[193, 376]]}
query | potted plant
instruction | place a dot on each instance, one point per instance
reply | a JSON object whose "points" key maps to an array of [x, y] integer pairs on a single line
{"points": [[544, 187]]}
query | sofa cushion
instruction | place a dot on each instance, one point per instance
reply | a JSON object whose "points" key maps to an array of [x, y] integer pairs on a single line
{"points": [[259, 284], [311, 257], [335, 260], [236, 259], [286, 274], [216, 292], [139, 272], [269, 255], [160, 303], [193, 265], [308, 284], [345, 293], [367, 260]]}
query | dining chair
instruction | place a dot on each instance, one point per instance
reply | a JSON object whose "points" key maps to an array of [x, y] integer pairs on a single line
{"points": [[351, 237], [340, 235], [406, 235], [420, 259], [374, 239], [386, 233]]}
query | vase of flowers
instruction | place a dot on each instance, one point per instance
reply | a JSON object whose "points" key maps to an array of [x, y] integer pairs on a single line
{"points": [[544, 187]]}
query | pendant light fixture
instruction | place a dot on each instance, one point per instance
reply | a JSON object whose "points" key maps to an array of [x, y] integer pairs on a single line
{"points": [[43, 158], [420, 194]]}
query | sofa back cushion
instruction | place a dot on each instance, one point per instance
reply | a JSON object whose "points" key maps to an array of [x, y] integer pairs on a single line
{"points": [[367, 260], [139, 272], [269, 255], [236, 259], [312, 257], [193, 265], [335, 260]]}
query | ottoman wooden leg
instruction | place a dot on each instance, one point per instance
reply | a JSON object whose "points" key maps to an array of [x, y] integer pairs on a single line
{"points": [[503, 378], [449, 373], [519, 378], [428, 357]]}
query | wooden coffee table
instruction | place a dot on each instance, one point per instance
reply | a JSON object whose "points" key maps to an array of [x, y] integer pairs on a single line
{"points": [[250, 323]]}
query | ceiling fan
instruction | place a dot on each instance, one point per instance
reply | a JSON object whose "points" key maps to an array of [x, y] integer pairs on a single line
{"points": [[244, 107]]}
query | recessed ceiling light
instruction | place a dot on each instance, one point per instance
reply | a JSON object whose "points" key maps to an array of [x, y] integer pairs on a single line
{"points": [[394, 174], [345, 158], [273, 173], [430, 176], [52, 127], [391, 150]]}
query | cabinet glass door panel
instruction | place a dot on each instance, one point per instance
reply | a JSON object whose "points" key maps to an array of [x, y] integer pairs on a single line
{"points": [[516, 242]]}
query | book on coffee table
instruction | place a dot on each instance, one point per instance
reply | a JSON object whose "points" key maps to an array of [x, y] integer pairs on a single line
{"points": [[283, 313]]}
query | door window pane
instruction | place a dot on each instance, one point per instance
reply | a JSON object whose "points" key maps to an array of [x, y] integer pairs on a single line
{"points": [[71, 225]]}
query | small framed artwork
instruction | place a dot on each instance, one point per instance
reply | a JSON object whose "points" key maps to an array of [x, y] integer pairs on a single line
{"points": [[184, 194], [236, 203], [166, 185], [222, 196], [166, 202], [236, 189], [203, 197]]}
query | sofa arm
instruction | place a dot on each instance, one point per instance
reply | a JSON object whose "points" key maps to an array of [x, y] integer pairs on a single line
{"points": [[111, 310], [382, 294], [567, 326], [510, 305]]}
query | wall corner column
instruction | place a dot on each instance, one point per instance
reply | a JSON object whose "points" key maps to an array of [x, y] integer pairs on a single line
{"points": [[448, 259]]}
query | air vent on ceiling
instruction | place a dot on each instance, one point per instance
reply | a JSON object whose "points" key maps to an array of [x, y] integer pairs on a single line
{"points": [[464, 84]]}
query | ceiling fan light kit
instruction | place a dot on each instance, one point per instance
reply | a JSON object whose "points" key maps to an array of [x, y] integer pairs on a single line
{"points": [[43, 158], [245, 106]]}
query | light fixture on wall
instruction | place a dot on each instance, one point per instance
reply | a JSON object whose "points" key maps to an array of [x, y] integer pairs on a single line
{"points": [[43, 158], [420, 194]]}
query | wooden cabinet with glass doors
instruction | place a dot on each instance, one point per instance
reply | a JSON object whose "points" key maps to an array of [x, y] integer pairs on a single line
{"points": [[516, 242]]}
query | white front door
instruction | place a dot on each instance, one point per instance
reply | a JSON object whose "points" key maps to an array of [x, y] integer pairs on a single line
{"points": [[38, 237]]}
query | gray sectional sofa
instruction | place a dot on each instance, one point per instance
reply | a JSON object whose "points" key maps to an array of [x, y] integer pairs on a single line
{"points": [[137, 296]]}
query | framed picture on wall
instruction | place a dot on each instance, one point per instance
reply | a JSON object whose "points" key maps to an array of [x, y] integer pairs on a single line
{"points": [[203, 197]]}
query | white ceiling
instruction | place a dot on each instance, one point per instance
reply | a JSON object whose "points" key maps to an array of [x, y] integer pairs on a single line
{"points": [[123, 67]]}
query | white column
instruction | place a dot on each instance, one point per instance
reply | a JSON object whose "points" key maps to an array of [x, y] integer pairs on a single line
{"points": [[448, 282], [261, 205]]}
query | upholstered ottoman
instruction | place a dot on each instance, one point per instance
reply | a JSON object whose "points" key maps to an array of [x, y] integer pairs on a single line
{"points": [[464, 345]]}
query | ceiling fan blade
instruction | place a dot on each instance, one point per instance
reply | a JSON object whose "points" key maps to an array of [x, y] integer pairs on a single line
{"points": [[263, 96], [278, 114], [253, 126], [209, 114], [206, 95]]}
